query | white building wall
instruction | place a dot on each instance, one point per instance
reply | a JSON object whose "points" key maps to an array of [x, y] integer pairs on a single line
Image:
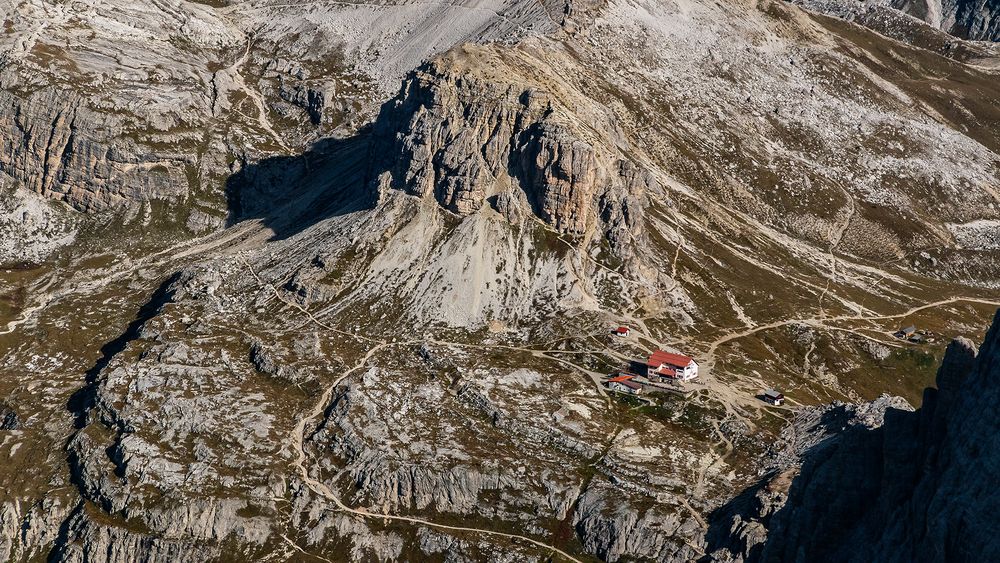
{"points": [[691, 371]]}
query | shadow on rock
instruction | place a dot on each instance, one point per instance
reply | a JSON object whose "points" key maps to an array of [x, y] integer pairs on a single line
{"points": [[83, 400], [291, 193], [876, 482]]}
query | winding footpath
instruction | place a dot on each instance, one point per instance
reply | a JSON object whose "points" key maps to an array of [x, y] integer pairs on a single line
{"points": [[324, 491], [24, 317], [819, 321], [230, 237], [298, 433]]}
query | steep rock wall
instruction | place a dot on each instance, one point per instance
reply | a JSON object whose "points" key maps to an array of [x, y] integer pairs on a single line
{"points": [[918, 487], [58, 147], [978, 20], [465, 139]]}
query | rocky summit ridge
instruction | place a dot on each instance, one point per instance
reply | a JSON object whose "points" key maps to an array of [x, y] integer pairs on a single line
{"points": [[322, 280]]}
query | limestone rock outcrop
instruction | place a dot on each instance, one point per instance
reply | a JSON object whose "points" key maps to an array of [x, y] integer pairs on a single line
{"points": [[8, 417], [394, 348], [978, 20], [616, 531], [464, 138], [58, 147]]}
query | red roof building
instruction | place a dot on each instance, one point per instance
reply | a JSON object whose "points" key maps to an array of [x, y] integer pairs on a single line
{"points": [[666, 372], [667, 365], [632, 385], [622, 331], [659, 358], [621, 377]]}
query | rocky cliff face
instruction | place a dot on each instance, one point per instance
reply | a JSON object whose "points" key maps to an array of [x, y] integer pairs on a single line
{"points": [[902, 485], [614, 531], [33, 226], [465, 138], [60, 148], [978, 20], [973, 20], [202, 86], [487, 185]]}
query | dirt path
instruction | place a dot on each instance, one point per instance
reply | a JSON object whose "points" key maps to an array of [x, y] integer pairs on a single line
{"points": [[320, 488], [837, 233], [821, 321], [262, 117], [296, 547], [735, 401], [233, 236], [24, 317], [298, 433], [303, 310], [731, 399]]}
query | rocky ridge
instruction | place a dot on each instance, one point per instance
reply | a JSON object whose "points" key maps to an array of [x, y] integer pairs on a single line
{"points": [[889, 483], [922, 21], [112, 109], [467, 139], [61, 149], [969, 19]]}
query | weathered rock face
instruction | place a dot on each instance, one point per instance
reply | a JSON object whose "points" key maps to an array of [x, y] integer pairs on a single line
{"points": [[918, 487], [33, 227], [383, 478], [84, 539], [8, 417], [561, 174], [60, 148], [454, 137], [108, 109], [613, 530], [307, 97], [24, 527], [462, 139], [972, 19], [978, 20]]}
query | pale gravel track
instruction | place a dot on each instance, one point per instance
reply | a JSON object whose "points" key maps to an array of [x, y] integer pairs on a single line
{"points": [[212, 241], [820, 321], [732, 399], [320, 488]]}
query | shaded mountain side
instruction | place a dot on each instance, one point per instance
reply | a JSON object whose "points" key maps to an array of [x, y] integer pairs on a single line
{"points": [[203, 90], [393, 347], [470, 128], [964, 25], [919, 487], [978, 20]]}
